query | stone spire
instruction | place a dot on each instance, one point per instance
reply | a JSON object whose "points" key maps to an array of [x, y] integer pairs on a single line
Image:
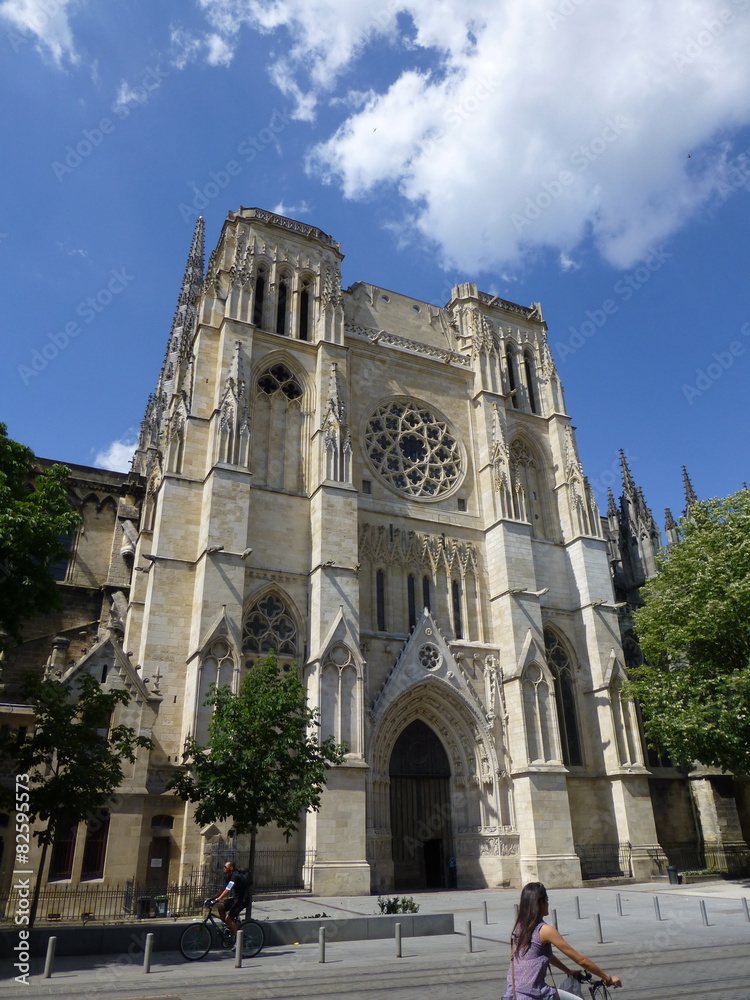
{"points": [[611, 505], [690, 495], [627, 479], [670, 527], [178, 349]]}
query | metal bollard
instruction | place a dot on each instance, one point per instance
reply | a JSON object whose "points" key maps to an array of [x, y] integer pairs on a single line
{"points": [[578, 907], [486, 915], [147, 953], [322, 945], [398, 940], [238, 949], [50, 957], [599, 935], [746, 907], [657, 908], [704, 915], [468, 936], [554, 918], [619, 904]]}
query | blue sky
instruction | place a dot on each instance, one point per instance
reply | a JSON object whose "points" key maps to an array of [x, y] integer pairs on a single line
{"points": [[590, 155]]}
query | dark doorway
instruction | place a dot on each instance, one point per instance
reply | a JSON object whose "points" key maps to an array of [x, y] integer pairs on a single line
{"points": [[420, 809]]}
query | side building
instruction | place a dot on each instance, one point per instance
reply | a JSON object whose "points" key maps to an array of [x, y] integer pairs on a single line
{"points": [[389, 495]]}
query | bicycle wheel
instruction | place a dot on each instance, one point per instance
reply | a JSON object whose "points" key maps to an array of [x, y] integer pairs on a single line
{"points": [[195, 942], [252, 938]]}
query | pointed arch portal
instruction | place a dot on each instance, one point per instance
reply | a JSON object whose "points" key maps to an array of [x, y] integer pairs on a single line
{"points": [[420, 809]]}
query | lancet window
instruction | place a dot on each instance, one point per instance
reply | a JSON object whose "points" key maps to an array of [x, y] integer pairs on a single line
{"points": [[217, 667], [260, 294], [560, 667], [528, 364], [277, 430]]}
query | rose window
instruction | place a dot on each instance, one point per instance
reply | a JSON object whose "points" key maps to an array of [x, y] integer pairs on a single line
{"points": [[429, 656], [412, 450]]}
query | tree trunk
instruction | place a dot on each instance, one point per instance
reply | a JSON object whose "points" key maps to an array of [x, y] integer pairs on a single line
{"points": [[38, 884]]}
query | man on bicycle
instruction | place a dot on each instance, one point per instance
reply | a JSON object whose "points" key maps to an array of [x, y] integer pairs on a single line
{"points": [[238, 884]]}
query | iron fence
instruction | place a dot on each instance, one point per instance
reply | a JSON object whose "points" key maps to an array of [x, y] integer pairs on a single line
{"points": [[730, 860], [275, 871], [604, 860]]}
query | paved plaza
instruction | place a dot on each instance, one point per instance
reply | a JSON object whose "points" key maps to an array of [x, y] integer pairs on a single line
{"points": [[667, 953]]}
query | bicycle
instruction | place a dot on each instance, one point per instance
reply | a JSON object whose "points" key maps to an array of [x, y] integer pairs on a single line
{"points": [[597, 987], [196, 940]]}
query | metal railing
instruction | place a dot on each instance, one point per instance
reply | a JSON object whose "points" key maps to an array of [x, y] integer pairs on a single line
{"points": [[731, 860], [604, 860], [275, 871]]}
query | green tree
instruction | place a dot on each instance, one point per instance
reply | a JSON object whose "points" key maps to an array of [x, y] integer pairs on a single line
{"points": [[264, 763], [694, 629], [73, 760], [34, 514]]}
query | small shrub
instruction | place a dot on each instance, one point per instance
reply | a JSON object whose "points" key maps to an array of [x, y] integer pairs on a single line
{"points": [[396, 904]]}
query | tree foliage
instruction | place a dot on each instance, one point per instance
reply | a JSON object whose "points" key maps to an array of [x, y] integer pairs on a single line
{"points": [[694, 630], [32, 520], [73, 758], [264, 763]]}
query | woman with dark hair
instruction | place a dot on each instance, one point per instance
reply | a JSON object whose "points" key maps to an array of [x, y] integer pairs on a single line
{"points": [[531, 952]]}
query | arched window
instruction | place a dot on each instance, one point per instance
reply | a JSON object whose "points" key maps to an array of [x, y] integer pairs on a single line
{"points": [[528, 364], [304, 312], [426, 592], [562, 673], [269, 627], [457, 624], [217, 667], [536, 712], [510, 358], [526, 483], [380, 599], [281, 303], [278, 441], [260, 294], [412, 600], [95, 847]]}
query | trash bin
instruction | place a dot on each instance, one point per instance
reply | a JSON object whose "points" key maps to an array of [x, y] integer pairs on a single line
{"points": [[144, 906], [160, 906], [674, 877]]}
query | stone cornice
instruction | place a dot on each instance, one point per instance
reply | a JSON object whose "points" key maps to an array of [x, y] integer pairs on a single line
{"points": [[409, 346]]}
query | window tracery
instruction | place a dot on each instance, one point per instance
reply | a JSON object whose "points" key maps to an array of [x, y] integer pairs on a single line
{"points": [[412, 450], [269, 627], [560, 667]]}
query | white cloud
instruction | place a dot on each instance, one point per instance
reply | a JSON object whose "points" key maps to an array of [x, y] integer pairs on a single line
{"points": [[220, 52], [525, 128], [127, 96], [185, 48], [48, 21], [117, 456], [567, 263], [292, 211]]}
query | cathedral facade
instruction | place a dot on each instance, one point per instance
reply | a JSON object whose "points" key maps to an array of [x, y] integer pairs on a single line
{"points": [[388, 495]]}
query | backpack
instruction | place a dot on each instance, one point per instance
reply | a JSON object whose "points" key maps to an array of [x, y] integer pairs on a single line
{"points": [[243, 880]]}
